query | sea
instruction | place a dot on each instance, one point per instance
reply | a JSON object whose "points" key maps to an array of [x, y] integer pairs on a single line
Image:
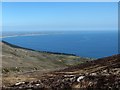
{"points": [[91, 44]]}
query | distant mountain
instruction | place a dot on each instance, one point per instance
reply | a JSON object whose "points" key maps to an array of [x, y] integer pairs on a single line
{"points": [[18, 60]]}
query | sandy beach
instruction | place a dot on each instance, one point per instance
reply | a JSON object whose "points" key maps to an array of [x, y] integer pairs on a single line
{"points": [[21, 35]]}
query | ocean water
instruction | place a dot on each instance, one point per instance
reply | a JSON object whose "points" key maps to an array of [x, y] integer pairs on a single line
{"points": [[94, 44]]}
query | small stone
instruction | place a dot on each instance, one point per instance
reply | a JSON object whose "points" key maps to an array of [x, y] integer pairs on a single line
{"points": [[80, 78], [93, 74], [19, 83], [37, 84]]}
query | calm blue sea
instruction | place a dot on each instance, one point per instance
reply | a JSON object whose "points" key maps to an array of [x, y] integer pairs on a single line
{"points": [[86, 44]]}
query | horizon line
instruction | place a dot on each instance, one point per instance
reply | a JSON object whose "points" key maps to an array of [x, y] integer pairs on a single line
{"points": [[60, 0]]}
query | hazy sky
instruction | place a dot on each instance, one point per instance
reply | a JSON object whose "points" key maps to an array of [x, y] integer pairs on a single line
{"points": [[22, 16]]}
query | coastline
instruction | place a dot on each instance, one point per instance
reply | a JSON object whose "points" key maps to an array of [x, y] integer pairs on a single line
{"points": [[21, 35], [7, 36], [58, 53]]}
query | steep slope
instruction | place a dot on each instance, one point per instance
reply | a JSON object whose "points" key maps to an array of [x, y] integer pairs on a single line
{"points": [[17, 60], [101, 74], [14, 56]]}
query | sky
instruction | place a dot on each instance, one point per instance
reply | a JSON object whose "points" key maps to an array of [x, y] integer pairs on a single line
{"points": [[55, 16]]}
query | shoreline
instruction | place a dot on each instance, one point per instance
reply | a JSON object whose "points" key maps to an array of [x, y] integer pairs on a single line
{"points": [[7, 36], [21, 35], [49, 52]]}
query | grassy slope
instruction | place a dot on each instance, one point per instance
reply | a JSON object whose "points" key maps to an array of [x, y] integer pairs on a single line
{"points": [[18, 57], [17, 60]]}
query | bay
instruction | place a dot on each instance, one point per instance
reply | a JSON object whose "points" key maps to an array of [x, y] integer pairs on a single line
{"points": [[92, 44]]}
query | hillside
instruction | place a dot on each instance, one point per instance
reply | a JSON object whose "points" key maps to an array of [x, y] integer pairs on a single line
{"points": [[25, 69], [101, 74], [17, 60], [15, 56]]}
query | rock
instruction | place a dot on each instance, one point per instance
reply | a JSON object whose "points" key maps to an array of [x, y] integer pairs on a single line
{"points": [[69, 75], [93, 74], [80, 78], [37, 84], [19, 83]]}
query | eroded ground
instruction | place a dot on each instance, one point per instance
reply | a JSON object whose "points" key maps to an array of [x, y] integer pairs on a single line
{"points": [[99, 74]]}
